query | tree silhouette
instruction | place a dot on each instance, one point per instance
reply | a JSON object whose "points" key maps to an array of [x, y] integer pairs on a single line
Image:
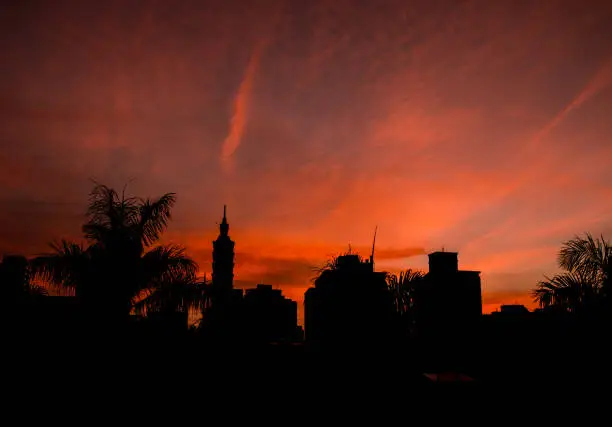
{"points": [[589, 257], [586, 282], [403, 287], [568, 291], [184, 296], [332, 263], [120, 263]]}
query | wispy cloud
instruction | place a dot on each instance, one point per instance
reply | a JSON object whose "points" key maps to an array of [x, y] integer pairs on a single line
{"points": [[600, 81], [480, 126], [242, 102]]}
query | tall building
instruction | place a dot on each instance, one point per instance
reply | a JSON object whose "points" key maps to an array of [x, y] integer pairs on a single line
{"points": [[261, 315], [349, 303], [449, 302], [223, 258], [221, 320]]}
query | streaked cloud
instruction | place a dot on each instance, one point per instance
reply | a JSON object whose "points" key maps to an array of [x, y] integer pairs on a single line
{"points": [[479, 126], [242, 102]]}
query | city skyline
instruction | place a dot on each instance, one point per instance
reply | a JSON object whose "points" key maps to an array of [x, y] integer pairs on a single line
{"points": [[480, 127]]}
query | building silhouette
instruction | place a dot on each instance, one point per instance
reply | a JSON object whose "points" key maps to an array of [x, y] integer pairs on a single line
{"points": [[223, 257], [269, 316], [349, 304], [513, 309], [261, 314], [448, 303], [13, 278]]}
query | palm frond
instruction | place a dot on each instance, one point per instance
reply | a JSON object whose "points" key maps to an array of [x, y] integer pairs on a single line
{"points": [[96, 232], [409, 277], [167, 264], [36, 290], [154, 216], [569, 291], [107, 210], [180, 295], [587, 255], [65, 267], [402, 288], [332, 263]]}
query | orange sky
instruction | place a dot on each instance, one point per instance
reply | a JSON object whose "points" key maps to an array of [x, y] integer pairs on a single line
{"points": [[479, 126]]}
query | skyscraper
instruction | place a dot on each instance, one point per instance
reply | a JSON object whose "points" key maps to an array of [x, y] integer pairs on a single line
{"points": [[449, 302], [223, 258], [349, 303]]}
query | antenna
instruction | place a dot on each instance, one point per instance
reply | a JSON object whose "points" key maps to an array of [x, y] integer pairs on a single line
{"points": [[373, 245]]}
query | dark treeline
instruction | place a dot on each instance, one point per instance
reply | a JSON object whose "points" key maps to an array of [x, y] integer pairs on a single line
{"points": [[128, 306]]}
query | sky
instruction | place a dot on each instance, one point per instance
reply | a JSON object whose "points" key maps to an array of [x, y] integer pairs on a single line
{"points": [[479, 127]]}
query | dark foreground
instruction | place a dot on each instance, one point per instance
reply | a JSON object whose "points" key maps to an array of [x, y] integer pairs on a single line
{"points": [[186, 367], [145, 373]]}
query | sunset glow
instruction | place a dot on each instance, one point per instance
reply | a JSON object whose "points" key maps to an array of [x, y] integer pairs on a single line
{"points": [[479, 126]]}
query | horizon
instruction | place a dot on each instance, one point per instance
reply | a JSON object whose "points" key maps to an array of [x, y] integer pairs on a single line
{"points": [[297, 293], [481, 127]]}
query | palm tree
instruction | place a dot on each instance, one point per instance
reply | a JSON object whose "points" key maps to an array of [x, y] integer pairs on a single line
{"points": [[35, 291], [332, 263], [586, 280], [184, 295], [402, 288], [120, 261], [569, 292], [590, 257]]}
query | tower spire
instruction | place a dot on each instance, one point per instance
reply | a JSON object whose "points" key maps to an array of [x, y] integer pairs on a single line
{"points": [[373, 244], [224, 226]]}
